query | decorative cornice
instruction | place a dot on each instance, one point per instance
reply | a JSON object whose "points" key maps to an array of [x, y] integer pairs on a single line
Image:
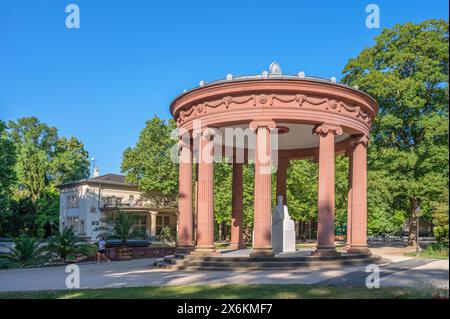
{"points": [[325, 128], [268, 100]]}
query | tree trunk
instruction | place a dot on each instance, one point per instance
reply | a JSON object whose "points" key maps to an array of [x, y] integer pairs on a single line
{"points": [[413, 222], [310, 230], [219, 227], [224, 230]]}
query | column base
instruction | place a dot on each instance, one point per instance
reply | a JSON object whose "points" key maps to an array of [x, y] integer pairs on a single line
{"points": [[325, 251], [205, 252], [184, 250], [235, 246], [262, 252], [359, 250]]}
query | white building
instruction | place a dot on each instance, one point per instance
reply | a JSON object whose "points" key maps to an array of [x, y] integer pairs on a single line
{"points": [[85, 202]]}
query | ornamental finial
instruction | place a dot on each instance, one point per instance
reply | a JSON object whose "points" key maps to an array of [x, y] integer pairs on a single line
{"points": [[275, 68]]}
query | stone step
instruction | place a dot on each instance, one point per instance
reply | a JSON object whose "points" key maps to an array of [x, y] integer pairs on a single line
{"points": [[274, 259], [194, 264]]}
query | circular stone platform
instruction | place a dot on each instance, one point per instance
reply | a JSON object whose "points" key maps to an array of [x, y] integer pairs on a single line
{"points": [[236, 260]]}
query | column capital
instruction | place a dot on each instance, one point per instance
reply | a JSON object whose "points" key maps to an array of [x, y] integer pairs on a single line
{"points": [[325, 128], [208, 132], [360, 139], [254, 125]]}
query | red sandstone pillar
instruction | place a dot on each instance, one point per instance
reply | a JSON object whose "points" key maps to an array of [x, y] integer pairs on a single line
{"points": [[205, 214], [358, 242], [349, 198], [185, 218], [262, 230], [326, 229], [281, 178], [237, 218]]}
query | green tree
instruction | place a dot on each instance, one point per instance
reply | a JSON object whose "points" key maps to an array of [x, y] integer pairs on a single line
{"points": [[70, 161], [149, 163], [406, 71], [7, 175], [302, 186], [43, 160], [223, 176], [440, 219], [32, 170]]}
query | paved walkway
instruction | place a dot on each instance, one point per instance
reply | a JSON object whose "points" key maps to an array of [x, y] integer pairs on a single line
{"points": [[402, 271]]}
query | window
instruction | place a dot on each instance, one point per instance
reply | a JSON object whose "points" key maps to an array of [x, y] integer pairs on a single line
{"points": [[161, 221], [72, 201], [141, 223]]}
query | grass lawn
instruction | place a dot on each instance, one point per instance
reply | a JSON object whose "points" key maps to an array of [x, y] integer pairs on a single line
{"points": [[426, 254], [225, 292]]}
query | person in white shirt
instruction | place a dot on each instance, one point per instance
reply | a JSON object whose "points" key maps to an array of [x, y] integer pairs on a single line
{"points": [[101, 252]]}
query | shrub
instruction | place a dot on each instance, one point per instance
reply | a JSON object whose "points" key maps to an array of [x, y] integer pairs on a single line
{"points": [[27, 251], [120, 225], [66, 243], [167, 234]]}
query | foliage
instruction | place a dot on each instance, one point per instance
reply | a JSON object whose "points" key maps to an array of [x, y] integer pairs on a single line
{"points": [[406, 71], [149, 163], [302, 186], [7, 175], [440, 220], [223, 176], [439, 249], [167, 234], [70, 161], [27, 251], [66, 243], [42, 161], [120, 225]]}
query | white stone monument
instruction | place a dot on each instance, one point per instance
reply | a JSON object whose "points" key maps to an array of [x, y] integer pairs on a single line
{"points": [[283, 228]]}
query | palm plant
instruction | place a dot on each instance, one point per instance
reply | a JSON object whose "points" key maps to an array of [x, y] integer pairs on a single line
{"points": [[66, 243], [121, 226], [27, 251]]}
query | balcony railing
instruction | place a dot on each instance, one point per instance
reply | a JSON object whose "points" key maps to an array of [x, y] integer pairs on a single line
{"points": [[134, 204]]}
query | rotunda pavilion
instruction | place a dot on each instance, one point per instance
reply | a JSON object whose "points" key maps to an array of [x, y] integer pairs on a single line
{"points": [[289, 117]]}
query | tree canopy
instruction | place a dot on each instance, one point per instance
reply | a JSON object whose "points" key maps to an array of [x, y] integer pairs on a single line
{"points": [[407, 71], [35, 161]]}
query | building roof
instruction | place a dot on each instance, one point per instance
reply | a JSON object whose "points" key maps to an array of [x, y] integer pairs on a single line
{"points": [[274, 73], [107, 179]]}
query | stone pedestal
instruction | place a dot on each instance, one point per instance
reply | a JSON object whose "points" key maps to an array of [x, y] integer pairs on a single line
{"points": [[283, 229]]}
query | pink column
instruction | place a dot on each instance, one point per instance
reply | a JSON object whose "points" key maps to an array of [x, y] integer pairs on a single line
{"points": [[326, 229], [281, 178], [237, 237], [185, 218], [358, 242], [262, 229], [205, 214], [349, 197]]}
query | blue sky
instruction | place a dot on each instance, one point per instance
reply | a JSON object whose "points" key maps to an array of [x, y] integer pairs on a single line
{"points": [[129, 59]]}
